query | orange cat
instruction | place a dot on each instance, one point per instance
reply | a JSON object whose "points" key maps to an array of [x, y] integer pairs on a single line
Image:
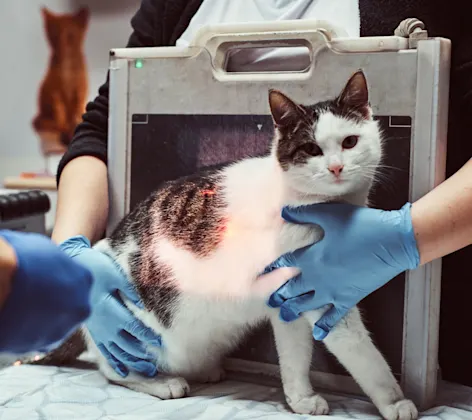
{"points": [[63, 92]]}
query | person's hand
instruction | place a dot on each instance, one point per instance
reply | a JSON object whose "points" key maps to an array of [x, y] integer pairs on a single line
{"points": [[362, 249], [48, 296], [118, 334]]}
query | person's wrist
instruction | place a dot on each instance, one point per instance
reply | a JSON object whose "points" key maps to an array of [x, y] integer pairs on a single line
{"points": [[8, 265], [60, 235]]}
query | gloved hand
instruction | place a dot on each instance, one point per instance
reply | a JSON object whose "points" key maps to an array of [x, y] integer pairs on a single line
{"points": [[49, 295], [362, 249], [117, 333]]}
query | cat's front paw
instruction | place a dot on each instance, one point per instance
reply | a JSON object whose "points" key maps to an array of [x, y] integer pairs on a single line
{"points": [[167, 388], [314, 404], [401, 410]]}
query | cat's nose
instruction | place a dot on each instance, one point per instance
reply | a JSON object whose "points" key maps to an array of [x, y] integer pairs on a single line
{"points": [[336, 169]]}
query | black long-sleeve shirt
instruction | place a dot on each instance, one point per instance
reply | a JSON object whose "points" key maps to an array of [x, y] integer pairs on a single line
{"points": [[161, 23]]}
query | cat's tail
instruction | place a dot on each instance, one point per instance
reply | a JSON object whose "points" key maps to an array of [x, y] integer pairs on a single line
{"points": [[64, 355]]}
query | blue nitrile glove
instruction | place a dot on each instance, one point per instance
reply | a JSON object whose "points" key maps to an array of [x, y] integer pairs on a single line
{"points": [[362, 249], [49, 295], [118, 334]]}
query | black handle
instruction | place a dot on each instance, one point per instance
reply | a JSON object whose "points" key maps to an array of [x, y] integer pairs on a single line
{"points": [[23, 204]]}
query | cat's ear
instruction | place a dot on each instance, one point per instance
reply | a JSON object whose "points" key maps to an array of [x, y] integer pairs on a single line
{"points": [[284, 111], [355, 95], [47, 14], [50, 23], [82, 16]]}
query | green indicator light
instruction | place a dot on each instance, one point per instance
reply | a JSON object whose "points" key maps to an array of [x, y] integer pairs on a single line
{"points": [[138, 64]]}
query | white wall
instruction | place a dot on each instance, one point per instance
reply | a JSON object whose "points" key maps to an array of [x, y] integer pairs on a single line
{"points": [[24, 55]]}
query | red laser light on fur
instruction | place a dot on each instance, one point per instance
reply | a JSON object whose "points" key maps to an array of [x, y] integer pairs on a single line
{"points": [[208, 192], [229, 231], [225, 229]]}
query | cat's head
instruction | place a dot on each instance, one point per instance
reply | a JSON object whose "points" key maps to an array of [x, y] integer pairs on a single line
{"points": [[66, 31], [331, 148]]}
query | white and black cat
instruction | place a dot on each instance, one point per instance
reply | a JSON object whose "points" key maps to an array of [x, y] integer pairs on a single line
{"points": [[194, 249]]}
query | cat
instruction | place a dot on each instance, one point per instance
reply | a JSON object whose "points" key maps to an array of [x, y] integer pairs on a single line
{"points": [[63, 91], [194, 248]]}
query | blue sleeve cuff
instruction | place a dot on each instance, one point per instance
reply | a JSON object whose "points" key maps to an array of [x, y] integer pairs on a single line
{"points": [[410, 239], [74, 245]]}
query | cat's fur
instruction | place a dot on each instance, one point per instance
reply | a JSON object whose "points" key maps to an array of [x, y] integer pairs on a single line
{"points": [[194, 249], [62, 95]]}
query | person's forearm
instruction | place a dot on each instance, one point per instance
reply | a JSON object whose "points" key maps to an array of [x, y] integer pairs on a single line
{"points": [[82, 207], [442, 219], [7, 269]]}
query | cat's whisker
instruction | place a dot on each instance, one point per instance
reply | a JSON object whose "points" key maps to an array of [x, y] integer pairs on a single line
{"points": [[377, 175], [389, 168], [384, 183]]}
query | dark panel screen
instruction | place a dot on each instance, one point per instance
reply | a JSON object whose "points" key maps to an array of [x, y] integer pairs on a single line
{"points": [[166, 147]]}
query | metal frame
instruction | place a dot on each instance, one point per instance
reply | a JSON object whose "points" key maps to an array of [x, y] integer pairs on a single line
{"points": [[423, 286], [118, 144], [422, 294]]}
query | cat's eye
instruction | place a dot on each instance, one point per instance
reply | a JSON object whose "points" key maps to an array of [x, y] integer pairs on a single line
{"points": [[311, 149], [350, 141]]}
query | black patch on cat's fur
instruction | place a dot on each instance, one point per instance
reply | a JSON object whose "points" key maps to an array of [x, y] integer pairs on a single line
{"points": [[158, 295], [134, 225], [156, 290], [295, 123], [191, 212], [188, 212]]}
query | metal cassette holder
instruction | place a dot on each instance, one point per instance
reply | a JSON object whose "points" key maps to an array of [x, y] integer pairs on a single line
{"points": [[176, 110]]}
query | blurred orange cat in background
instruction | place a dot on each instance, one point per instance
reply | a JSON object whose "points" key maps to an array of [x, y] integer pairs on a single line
{"points": [[63, 91]]}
